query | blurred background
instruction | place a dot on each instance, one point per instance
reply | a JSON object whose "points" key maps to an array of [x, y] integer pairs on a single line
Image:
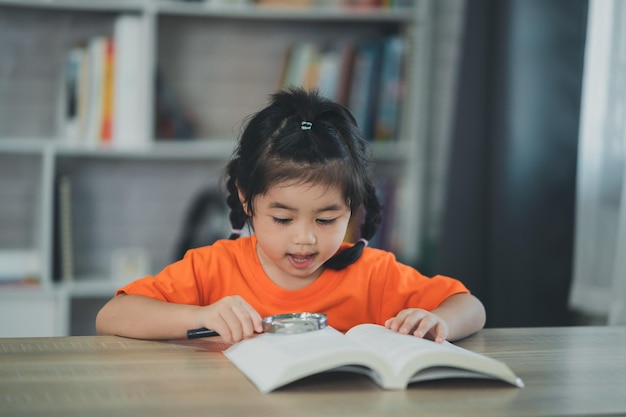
{"points": [[497, 128]]}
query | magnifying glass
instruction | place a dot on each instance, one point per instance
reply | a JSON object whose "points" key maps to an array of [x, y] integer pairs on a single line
{"points": [[290, 323]]}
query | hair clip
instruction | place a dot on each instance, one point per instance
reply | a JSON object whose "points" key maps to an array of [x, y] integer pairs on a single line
{"points": [[306, 125]]}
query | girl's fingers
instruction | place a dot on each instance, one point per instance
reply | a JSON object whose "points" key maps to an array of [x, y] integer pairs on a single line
{"points": [[424, 326], [438, 331], [256, 322], [413, 321], [419, 323], [232, 324], [236, 319], [243, 323], [396, 323]]}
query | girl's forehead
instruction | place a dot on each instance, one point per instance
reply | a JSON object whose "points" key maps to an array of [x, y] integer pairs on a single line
{"points": [[304, 187]]}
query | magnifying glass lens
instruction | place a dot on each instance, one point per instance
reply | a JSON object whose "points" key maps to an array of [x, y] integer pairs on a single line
{"points": [[294, 323]]}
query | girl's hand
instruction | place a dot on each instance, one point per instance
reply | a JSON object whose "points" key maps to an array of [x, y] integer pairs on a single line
{"points": [[420, 323], [232, 317]]}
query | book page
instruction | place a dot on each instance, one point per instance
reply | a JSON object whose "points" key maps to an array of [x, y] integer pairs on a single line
{"points": [[273, 360], [415, 359]]}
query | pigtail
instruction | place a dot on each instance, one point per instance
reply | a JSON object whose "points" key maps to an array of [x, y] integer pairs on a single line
{"points": [[372, 212], [368, 229], [237, 215]]}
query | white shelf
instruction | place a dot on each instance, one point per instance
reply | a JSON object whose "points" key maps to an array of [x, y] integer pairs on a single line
{"points": [[321, 13], [175, 150], [208, 9], [10, 145], [197, 149], [80, 5]]}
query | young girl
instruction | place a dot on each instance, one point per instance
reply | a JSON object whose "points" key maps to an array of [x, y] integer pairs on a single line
{"points": [[300, 171]]}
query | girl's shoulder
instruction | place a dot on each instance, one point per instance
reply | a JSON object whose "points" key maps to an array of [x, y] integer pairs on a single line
{"points": [[380, 262], [377, 255], [373, 258]]}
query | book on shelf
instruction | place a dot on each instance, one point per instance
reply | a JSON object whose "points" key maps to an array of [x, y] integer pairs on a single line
{"points": [[390, 359], [366, 76], [329, 67], [363, 99], [104, 88], [301, 66], [96, 50], [71, 91], [130, 113], [347, 52], [336, 64], [107, 92], [391, 89], [83, 95]]}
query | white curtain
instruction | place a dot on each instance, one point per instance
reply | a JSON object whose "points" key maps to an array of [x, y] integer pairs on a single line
{"points": [[599, 282]]}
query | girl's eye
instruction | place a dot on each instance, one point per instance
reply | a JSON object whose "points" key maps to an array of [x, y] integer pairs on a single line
{"points": [[326, 222], [281, 221]]}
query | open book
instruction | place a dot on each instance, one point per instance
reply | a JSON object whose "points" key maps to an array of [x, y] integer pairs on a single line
{"points": [[390, 359]]}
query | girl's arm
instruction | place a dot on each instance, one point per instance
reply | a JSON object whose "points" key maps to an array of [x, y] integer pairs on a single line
{"points": [[142, 317], [458, 316]]}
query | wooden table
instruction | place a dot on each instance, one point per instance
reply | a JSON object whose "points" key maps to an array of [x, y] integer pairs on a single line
{"points": [[567, 371]]}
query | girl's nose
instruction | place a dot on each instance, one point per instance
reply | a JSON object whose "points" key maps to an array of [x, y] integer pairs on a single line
{"points": [[304, 236]]}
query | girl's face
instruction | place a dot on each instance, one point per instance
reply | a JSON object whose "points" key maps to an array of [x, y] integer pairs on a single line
{"points": [[298, 228]]}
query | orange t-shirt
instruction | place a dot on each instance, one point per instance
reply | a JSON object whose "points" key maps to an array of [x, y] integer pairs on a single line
{"points": [[371, 290]]}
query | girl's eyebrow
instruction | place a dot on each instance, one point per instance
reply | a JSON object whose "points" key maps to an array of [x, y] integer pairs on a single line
{"points": [[331, 207]]}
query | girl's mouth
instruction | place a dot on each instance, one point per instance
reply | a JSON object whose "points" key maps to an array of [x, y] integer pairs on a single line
{"points": [[300, 261]]}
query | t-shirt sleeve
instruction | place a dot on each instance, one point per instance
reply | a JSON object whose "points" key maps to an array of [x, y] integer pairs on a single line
{"points": [[176, 283], [405, 287]]}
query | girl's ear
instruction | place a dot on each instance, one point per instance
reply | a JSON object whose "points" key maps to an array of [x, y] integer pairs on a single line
{"points": [[242, 199]]}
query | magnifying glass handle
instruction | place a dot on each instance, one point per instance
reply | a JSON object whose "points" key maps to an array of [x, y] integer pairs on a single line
{"points": [[201, 332]]}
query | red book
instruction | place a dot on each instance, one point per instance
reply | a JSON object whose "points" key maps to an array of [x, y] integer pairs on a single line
{"points": [[108, 88]]}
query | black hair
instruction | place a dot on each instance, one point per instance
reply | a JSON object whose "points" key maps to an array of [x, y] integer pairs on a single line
{"points": [[305, 137]]}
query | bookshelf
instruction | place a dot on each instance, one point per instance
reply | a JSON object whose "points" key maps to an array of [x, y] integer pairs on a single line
{"points": [[216, 65]]}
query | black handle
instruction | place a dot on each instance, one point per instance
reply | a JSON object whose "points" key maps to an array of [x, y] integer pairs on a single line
{"points": [[201, 332]]}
